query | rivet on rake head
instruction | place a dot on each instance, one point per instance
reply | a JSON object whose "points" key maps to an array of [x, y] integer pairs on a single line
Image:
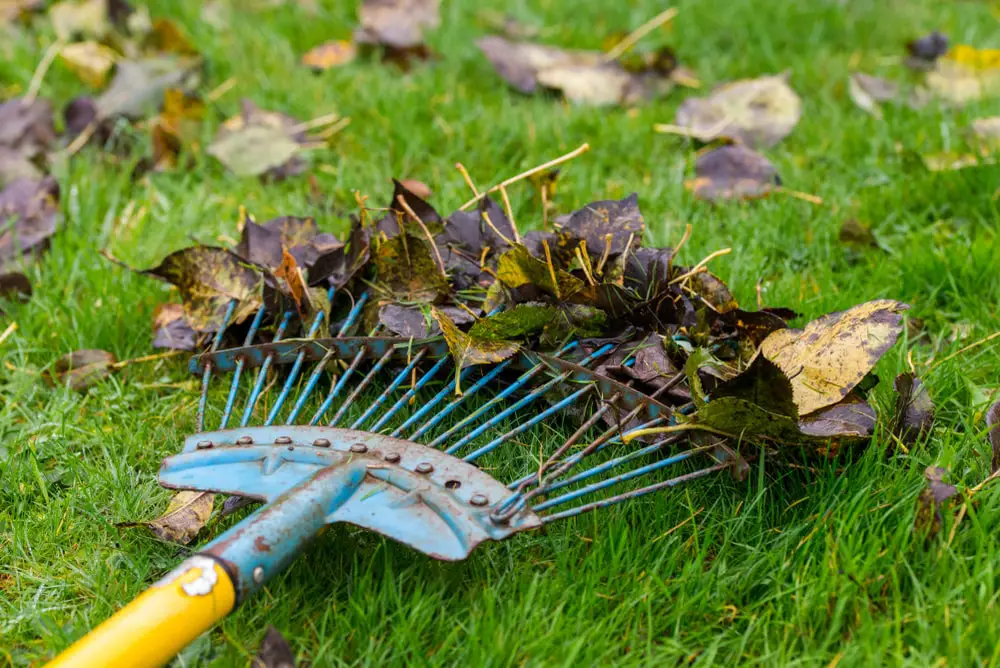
{"points": [[322, 443], [392, 457], [478, 500], [359, 448], [258, 575], [424, 467], [244, 440], [453, 484], [205, 445], [283, 440]]}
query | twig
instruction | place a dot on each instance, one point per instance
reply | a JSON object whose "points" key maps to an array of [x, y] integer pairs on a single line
{"points": [[427, 233], [147, 358], [963, 350], [812, 199], [468, 179], [965, 504], [678, 247], [221, 89], [11, 328], [671, 129], [640, 32], [686, 426], [81, 139], [40, 71], [486, 217], [701, 265], [333, 129], [510, 213], [552, 268], [583, 148], [314, 123]]}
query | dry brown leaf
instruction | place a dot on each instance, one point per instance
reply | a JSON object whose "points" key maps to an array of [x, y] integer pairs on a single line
{"points": [[82, 368], [330, 54], [186, 515], [756, 112], [832, 354], [732, 173], [869, 92], [399, 24]]}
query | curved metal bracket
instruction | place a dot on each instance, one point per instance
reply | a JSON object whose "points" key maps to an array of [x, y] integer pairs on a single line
{"points": [[417, 495]]}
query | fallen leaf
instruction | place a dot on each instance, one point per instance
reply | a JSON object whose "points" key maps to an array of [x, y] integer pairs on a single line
{"points": [[80, 19], [274, 651], [928, 517], [732, 173], [573, 321], [339, 265], [171, 329], [398, 25], [405, 266], [82, 369], [26, 137], [138, 87], [90, 61], [330, 54], [993, 422], [259, 143], [468, 350], [291, 274], [966, 74], [987, 131], [517, 268], [850, 420], [924, 51], [407, 321], [756, 112], [870, 92], [15, 286], [913, 416], [263, 244], [832, 354], [12, 10], [28, 217], [208, 279], [520, 321], [418, 188], [186, 515], [608, 227], [856, 234]]}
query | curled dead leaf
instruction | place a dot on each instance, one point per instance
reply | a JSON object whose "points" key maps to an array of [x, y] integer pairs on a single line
{"points": [[732, 173], [186, 515], [82, 369]]}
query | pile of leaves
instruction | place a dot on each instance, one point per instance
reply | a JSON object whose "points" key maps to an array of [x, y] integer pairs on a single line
{"points": [[676, 330]]}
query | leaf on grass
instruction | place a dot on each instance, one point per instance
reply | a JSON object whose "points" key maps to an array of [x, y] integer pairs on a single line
{"points": [[137, 89], [186, 515], [924, 51], [82, 369], [517, 268], [14, 286], [608, 226], [330, 54], [274, 652], [966, 74], [518, 322], [208, 279], [27, 135], [406, 267], [28, 217], [177, 128], [90, 61], [928, 517], [833, 353], [584, 77], [171, 329], [80, 19], [855, 234], [870, 92], [852, 419], [993, 423], [398, 25], [258, 142], [264, 244], [913, 416], [756, 112], [987, 132], [732, 173]]}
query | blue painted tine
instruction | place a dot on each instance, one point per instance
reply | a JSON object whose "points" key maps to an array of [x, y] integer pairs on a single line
{"points": [[396, 382], [235, 384], [207, 373], [485, 408], [307, 391], [361, 386], [438, 398], [454, 403], [552, 410], [353, 315], [636, 493], [519, 404], [336, 389], [610, 464], [297, 365], [258, 384], [403, 400]]}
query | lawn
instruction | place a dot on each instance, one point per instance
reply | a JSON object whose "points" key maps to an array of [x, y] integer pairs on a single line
{"points": [[789, 567]]}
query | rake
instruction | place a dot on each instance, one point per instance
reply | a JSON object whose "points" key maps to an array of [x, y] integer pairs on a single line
{"points": [[439, 471]]}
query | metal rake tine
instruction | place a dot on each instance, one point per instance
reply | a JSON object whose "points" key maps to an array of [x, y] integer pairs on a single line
{"points": [[636, 493], [396, 382], [207, 373], [509, 390], [403, 400], [310, 385], [454, 403], [235, 384], [353, 315], [361, 386], [258, 384], [445, 391], [523, 401], [336, 388], [297, 365]]}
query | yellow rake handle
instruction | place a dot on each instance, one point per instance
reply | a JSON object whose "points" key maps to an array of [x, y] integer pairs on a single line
{"points": [[150, 630]]}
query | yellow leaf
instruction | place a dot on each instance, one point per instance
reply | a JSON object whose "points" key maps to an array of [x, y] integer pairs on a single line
{"points": [[518, 267], [966, 74], [90, 61], [468, 350], [833, 353], [330, 54]]}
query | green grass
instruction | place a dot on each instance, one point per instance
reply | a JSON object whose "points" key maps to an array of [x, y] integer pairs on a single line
{"points": [[789, 567]]}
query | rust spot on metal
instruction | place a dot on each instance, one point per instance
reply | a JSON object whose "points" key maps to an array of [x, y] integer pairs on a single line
{"points": [[261, 544]]}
